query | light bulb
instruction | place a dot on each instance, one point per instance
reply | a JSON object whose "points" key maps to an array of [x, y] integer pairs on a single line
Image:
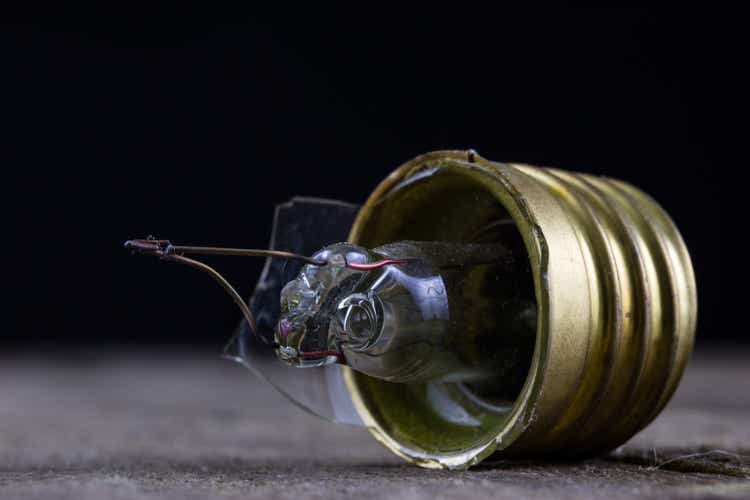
{"points": [[475, 307]]}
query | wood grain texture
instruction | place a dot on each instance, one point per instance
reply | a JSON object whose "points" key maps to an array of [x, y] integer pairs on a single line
{"points": [[134, 426]]}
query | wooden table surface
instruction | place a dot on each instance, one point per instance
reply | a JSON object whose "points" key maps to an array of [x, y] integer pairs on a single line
{"points": [[195, 426]]}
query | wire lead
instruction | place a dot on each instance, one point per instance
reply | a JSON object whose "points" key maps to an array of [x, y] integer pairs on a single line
{"points": [[164, 250]]}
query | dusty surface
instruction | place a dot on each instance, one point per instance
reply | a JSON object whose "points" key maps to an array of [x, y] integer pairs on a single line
{"points": [[193, 427]]}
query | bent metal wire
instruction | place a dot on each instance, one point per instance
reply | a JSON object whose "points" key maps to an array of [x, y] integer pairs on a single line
{"points": [[165, 250]]}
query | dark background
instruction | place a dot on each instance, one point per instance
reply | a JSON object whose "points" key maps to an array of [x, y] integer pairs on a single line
{"points": [[191, 125]]}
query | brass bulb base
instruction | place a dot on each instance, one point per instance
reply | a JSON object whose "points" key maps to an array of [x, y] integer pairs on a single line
{"points": [[616, 309]]}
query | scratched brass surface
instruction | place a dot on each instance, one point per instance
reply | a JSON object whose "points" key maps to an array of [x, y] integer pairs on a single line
{"points": [[616, 303]]}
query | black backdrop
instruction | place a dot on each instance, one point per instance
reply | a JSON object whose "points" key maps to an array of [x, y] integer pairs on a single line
{"points": [[192, 125]]}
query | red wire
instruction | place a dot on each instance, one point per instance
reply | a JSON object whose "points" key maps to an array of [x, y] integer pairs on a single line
{"points": [[375, 265]]}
